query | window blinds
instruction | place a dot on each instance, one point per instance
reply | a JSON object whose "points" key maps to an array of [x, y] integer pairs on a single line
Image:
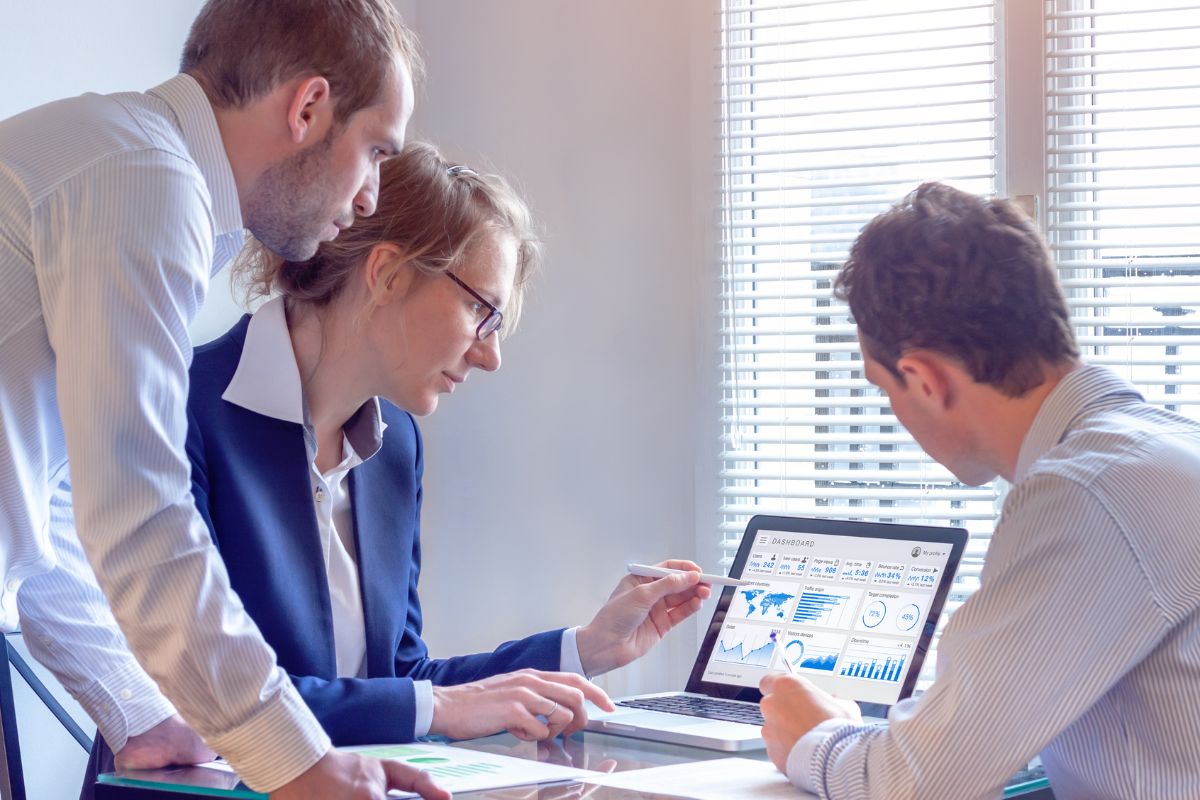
{"points": [[831, 112], [1123, 210]]}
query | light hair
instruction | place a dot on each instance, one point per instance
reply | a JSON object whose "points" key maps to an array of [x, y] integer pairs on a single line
{"points": [[964, 276], [434, 214], [240, 50]]}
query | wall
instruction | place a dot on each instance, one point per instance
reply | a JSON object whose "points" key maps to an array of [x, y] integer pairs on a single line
{"points": [[586, 450]]}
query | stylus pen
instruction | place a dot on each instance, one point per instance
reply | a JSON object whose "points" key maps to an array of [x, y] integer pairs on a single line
{"points": [[787, 665], [646, 571]]}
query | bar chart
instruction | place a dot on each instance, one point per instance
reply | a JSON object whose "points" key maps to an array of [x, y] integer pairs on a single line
{"points": [[875, 660], [820, 606]]}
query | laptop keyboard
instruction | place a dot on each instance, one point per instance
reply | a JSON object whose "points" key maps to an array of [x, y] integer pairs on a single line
{"points": [[707, 707]]}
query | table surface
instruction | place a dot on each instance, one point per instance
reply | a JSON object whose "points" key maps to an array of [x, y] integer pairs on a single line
{"points": [[589, 751]]}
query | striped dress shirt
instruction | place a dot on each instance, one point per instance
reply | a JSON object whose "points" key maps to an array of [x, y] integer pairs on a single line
{"points": [[114, 212], [1083, 640]]}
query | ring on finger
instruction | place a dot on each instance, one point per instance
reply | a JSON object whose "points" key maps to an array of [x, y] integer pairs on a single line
{"points": [[550, 713]]}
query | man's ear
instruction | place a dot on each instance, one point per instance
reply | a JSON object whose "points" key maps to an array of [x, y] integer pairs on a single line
{"points": [[310, 111], [929, 377], [388, 275]]}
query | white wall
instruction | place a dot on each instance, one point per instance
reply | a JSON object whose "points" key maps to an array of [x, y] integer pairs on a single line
{"points": [[48, 50], [587, 450]]}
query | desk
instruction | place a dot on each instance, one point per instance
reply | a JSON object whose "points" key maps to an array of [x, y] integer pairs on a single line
{"points": [[593, 751]]}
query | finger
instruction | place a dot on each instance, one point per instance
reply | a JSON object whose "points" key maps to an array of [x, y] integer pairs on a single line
{"points": [[767, 684], [587, 691], [407, 779], [681, 612], [524, 718], [658, 589], [679, 563]]}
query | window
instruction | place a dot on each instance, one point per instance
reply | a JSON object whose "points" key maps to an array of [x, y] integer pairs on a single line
{"points": [[834, 109]]}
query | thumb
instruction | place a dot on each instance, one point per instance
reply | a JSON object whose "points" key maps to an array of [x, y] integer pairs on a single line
{"points": [[407, 779]]}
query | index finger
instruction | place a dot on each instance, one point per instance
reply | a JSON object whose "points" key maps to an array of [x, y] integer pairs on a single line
{"points": [[680, 563], [407, 779]]}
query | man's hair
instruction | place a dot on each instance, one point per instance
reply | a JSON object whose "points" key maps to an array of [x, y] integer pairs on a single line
{"points": [[240, 50], [964, 276]]}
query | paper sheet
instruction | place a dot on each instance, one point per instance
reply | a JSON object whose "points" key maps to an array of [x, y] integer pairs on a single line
{"points": [[459, 770], [719, 779]]}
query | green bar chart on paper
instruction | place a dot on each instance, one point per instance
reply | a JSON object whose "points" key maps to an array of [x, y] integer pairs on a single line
{"points": [[438, 766]]}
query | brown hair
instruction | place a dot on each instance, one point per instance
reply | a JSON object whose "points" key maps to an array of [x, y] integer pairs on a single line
{"points": [[964, 276], [433, 211], [239, 50]]}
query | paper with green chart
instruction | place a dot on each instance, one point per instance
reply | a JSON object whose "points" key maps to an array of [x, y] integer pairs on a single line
{"points": [[460, 770]]}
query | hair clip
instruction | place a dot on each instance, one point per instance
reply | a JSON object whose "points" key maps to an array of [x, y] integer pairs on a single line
{"points": [[455, 171]]}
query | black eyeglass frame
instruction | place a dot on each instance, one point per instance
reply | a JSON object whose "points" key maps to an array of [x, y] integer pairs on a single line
{"points": [[495, 317]]}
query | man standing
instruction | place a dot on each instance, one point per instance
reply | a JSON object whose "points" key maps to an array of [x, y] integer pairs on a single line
{"points": [[1081, 643], [114, 212]]}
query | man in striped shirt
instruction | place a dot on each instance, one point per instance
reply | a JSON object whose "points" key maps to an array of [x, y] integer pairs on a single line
{"points": [[114, 212], [1083, 640]]}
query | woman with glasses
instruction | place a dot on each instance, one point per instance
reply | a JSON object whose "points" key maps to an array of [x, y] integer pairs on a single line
{"points": [[307, 467]]}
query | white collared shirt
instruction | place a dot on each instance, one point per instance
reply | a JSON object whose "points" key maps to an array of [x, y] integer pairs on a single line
{"points": [[267, 382], [114, 212]]}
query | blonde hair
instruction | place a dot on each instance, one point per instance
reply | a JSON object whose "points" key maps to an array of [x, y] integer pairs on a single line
{"points": [[239, 50], [434, 212]]}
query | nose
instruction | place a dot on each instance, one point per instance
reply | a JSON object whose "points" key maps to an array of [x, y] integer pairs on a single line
{"points": [[368, 195], [485, 355]]}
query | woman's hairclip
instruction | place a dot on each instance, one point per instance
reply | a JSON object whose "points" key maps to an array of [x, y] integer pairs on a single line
{"points": [[455, 171]]}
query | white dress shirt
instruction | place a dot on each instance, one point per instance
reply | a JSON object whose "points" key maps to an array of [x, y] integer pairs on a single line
{"points": [[267, 381], [114, 212], [1083, 640]]}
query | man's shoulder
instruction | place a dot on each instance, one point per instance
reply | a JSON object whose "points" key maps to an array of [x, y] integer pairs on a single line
{"points": [[48, 146], [1121, 440]]}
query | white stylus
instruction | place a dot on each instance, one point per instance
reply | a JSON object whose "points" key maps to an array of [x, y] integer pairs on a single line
{"points": [[646, 571]]}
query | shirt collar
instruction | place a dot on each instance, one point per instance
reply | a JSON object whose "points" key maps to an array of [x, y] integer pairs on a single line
{"points": [[267, 382], [198, 124], [1082, 389]]}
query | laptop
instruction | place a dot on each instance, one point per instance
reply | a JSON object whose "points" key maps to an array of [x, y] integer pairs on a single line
{"points": [[852, 606]]}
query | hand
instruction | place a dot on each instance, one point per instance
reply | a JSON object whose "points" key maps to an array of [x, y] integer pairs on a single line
{"points": [[638, 614], [350, 776], [513, 702], [169, 742], [791, 707]]}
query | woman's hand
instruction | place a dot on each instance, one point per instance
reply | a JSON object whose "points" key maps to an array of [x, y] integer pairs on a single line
{"points": [[638, 614], [517, 702]]}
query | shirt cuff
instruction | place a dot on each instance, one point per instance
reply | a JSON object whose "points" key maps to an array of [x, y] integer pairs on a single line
{"points": [[276, 745], [423, 708], [568, 659], [125, 703], [799, 762]]}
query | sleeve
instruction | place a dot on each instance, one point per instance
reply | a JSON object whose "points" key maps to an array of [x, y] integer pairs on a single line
{"points": [[1016, 664], [539, 651], [69, 628], [122, 274]]}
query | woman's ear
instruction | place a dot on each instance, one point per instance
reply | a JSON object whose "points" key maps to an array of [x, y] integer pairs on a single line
{"points": [[388, 275]]}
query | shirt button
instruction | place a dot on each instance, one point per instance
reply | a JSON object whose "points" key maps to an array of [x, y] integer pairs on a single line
{"points": [[13, 584], [319, 494], [126, 694]]}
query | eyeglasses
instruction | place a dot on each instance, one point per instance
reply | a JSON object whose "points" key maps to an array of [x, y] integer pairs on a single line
{"points": [[494, 319]]}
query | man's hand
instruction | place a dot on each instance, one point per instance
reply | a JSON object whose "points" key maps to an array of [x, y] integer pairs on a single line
{"points": [[169, 742], [638, 614], [348, 776], [514, 701], [791, 707]]}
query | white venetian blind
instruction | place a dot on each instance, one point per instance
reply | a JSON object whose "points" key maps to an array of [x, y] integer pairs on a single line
{"points": [[832, 111], [1124, 186]]}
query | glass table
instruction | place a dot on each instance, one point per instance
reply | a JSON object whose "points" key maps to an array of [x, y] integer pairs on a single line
{"points": [[589, 751]]}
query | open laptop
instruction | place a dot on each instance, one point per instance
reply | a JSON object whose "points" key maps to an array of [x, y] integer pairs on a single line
{"points": [[853, 606]]}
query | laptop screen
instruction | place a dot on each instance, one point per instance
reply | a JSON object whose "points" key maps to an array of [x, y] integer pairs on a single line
{"points": [[851, 606]]}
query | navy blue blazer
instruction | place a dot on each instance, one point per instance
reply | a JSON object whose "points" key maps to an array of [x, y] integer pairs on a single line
{"points": [[250, 478]]}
